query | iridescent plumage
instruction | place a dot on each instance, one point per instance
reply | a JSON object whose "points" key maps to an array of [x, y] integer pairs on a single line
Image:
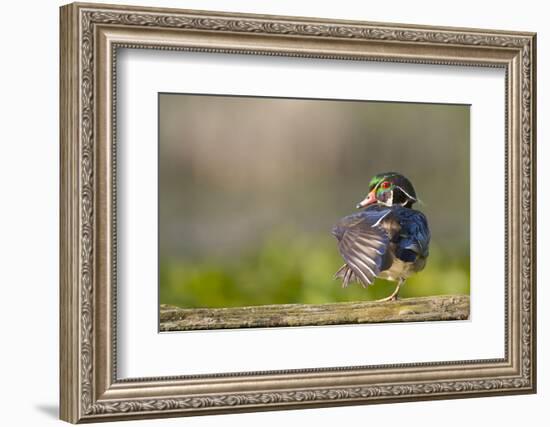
{"points": [[388, 239]]}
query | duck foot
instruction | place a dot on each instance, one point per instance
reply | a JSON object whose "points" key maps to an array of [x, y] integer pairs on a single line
{"points": [[390, 298], [394, 295]]}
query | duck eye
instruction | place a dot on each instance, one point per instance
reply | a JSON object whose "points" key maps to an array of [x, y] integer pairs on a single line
{"points": [[385, 185]]}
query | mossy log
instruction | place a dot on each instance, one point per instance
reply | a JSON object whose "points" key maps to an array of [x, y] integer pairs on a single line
{"points": [[444, 307]]}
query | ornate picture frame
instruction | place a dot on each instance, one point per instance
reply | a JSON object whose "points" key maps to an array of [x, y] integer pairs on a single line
{"points": [[90, 36]]}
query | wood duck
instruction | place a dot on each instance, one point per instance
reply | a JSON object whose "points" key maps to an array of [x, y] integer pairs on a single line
{"points": [[388, 239]]}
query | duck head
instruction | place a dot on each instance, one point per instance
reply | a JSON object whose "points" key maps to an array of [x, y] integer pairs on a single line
{"points": [[389, 189]]}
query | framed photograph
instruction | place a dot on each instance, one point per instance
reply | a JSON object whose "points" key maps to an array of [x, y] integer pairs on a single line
{"points": [[266, 212]]}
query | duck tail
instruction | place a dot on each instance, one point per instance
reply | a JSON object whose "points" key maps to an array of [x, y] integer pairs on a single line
{"points": [[346, 274]]}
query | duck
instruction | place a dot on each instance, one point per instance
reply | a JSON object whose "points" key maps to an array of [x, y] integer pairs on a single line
{"points": [[388, 239]]}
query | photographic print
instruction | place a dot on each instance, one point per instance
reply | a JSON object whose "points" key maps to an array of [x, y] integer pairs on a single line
{"points": [[293, 212]]}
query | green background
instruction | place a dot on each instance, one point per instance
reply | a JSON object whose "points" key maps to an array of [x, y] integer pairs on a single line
{"points": [[249, 189]]}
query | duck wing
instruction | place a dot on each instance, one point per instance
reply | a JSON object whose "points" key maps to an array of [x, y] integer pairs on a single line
{"points": [[414, 235], [363, 241]]}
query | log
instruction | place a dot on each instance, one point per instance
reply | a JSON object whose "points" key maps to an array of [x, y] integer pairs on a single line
{"points": [[443, 307]]}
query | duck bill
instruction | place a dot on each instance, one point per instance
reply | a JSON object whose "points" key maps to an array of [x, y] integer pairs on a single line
{"points": [[369, 200]]}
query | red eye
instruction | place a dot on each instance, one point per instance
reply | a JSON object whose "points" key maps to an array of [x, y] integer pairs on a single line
{"points": [[385, 185]]}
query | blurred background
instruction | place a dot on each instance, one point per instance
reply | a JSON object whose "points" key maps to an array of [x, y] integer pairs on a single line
{"points": [[249, 189]]}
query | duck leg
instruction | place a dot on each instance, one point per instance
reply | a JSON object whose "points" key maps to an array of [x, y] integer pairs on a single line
{"points": [[393, 296]]}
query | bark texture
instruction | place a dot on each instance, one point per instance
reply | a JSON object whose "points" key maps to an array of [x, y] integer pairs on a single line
{"points": [[443, 307]]}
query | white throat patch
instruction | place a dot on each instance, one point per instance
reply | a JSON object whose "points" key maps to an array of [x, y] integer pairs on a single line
{"points": [[389, 202]]}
